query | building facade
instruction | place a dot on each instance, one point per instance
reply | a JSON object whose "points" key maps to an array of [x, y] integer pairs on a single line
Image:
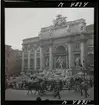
{"points": [[7, 57], [63, 45], [12, 61]]}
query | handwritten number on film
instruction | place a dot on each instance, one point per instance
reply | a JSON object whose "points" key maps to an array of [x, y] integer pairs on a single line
{"points": [[83, 102], [78, 4], [61, 4], [64, 102], [74, 4]]}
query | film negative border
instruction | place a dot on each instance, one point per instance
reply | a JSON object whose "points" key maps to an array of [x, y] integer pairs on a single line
{"points": [[48, 5]]}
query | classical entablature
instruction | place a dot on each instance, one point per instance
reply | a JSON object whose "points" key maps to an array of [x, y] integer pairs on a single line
{"points": [[61, 29], [30, 40]]}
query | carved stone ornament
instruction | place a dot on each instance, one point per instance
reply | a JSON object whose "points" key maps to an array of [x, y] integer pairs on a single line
{"points": [[35, 46], [82, 27], [59, 20], [32, 50], [28, 47], [46, 51], [24, 48], [68, 28]]}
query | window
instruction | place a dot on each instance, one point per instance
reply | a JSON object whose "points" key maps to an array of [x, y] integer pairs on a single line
{"points": [[31, 63], [26, 63], [77, 46], [82, 27]]}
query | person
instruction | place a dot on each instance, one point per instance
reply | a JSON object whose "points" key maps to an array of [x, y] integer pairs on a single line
{"points": [[86, 89], [38, 99], [71, 83], [61, 84], [90, 82], [84, 86], [57, 93], [57, 90]]}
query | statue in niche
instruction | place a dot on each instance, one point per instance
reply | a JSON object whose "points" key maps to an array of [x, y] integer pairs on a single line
{"points": [[46, 62], [77, 61], [60, 61], [46, 51]]}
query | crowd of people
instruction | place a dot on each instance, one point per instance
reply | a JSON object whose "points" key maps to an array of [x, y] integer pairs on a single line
{"points": [[56, 75], [45, 74]]}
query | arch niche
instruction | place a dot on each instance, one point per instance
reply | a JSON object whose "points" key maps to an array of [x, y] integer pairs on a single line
{"points": [[61, 57]]}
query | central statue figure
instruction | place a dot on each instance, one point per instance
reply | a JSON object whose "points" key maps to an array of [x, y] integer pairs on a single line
{"points": [[60, 61], [77, 61], [59, 20]]}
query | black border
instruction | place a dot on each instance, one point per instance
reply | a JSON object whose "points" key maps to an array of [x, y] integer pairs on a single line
{"points": [[96, 72], [44, 4]]}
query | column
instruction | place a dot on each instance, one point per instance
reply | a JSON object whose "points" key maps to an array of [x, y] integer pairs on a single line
{"points": [[82, 55], [28, 60], [50, 58], [35, 59], [66, 61], [70, 55], [54, 62], [22, 60], [41, 58]]}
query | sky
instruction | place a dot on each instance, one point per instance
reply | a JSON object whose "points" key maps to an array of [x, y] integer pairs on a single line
{"points": [[21, 23]]}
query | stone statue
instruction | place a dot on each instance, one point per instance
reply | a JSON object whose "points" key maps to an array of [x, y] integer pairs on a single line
{"points": [[60, 61], [77, 61], [59, 20], [46, 62]]}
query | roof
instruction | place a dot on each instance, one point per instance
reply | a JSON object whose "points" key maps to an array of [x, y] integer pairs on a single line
{"points": [[34, 38], [30, 40], [8, 46], [90, 28]]}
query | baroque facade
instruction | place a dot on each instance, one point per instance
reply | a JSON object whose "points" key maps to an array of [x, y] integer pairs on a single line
{"points": [[63, 45]]}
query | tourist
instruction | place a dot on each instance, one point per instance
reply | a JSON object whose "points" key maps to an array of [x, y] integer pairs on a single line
{"points": [[84, 86], [57, 90], [57, 93], [38, 99], [86, 89], [90, 82]]}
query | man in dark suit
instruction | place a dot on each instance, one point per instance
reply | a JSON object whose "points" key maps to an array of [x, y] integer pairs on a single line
{"points": [[57, 90]]}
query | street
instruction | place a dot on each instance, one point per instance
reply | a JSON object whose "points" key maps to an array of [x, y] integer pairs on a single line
{"points": [[11, 94]]}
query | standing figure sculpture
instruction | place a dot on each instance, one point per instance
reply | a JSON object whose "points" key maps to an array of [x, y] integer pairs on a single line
{"points": [[59, 20], [46, 62], [77, 61], [60, 61]]}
